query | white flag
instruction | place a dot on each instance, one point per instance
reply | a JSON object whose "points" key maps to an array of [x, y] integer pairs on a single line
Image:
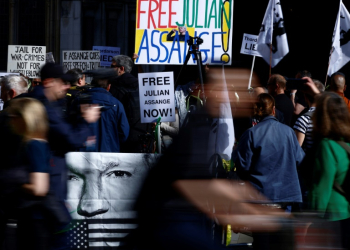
{"points": [[340, 53], [272, 33], [222, 134]]}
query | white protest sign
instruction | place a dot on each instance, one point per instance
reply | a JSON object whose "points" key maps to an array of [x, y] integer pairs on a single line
{"points": [[249, 45], [81, 59], [26, 59], [106, 54], [157, 99]]}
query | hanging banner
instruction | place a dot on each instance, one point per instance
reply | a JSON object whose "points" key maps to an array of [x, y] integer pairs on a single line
{"points": [[27, 60], [106, 54], [80, 59], [163, 29], [157, 98], [102, 191]]}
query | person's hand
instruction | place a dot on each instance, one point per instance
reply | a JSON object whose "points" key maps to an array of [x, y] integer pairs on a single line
{"points": [[90, 112], [135, 56], [310, 87], [206, 68], [174, 30]]}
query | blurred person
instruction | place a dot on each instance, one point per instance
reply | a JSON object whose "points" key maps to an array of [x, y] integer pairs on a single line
{"points": [[77, 85], [267, 157], [338, 85], [125, 88], [63, 136], [276, 87], [331, 122], [112, 129], [303, 125], [79, 77], [12, 86], [181, 32], [29, 120]]}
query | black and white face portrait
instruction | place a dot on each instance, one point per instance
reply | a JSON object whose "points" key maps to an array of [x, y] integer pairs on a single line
{"points": [[104, 185]]}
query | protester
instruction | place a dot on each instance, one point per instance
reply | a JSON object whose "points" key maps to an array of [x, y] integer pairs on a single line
{"points": [[303, 125], [63, 136], [29, 120], [276, 87], [181, 34], [112, 128], [331, 126], [125, 88], [338, 85], [12, 86], [267, 156], [169, 130]]}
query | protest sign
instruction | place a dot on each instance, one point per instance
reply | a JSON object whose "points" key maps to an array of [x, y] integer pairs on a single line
{"points": [[157, 99], [164, 27], [8, 73], [50, 58], [81, 59], [106, 54], [26, 59], [249, 45]]}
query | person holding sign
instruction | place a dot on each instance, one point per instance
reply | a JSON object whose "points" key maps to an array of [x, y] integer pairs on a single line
{"points": [[182, 34]]}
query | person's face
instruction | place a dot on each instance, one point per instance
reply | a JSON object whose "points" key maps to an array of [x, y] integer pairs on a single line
{"points": [[182, 30], [117, 68], [103, 186], [57, 88], [82, 81], [36, 82]]}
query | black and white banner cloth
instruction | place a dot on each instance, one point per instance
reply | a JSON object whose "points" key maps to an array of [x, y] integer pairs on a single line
{"points": [[340, 52], [272, 39]]}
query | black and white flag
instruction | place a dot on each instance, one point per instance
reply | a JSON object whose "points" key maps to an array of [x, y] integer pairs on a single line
{"points": [[272, 39], [340, 53]]}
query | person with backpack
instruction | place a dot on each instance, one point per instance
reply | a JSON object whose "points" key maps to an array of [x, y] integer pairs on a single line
{"points": [[331, 129], [125, 88]]}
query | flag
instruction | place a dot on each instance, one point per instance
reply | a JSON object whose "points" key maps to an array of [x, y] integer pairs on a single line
{"points": [[272, 39], [99, 233], [222, 134], [340, 52]]}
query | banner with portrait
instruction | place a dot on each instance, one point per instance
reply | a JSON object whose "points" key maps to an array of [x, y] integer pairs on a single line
{"points": [[102, 190]]}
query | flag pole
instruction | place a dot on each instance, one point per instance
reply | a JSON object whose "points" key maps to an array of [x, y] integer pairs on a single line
{"points": [[251, 74]]}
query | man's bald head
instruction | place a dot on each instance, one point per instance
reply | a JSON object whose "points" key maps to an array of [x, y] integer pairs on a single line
{"points": [[338, 83]]}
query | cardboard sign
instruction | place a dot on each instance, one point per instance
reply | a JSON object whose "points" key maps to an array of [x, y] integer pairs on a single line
{"points": [[163, 29], [157, 99], [27, 60], [106, 54], [81, 59], [249, 45]]}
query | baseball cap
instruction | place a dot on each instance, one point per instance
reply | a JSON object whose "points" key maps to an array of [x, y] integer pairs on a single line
{"points": [[53, 70]]}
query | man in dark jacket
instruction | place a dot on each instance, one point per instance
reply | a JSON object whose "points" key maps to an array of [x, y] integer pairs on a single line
{"points": [[112, 128], [125, 88]]}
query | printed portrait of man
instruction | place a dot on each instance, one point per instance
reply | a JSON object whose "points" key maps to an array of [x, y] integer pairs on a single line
{"points": [[102, 190]]}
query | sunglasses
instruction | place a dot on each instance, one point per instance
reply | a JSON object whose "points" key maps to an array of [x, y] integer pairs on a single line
{"points": [[115, 66]]}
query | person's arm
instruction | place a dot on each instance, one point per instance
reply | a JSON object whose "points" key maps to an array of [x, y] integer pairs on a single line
{"points": [[300, 137], [38, 184], [169, 35], [244, 155], [323, 177]]}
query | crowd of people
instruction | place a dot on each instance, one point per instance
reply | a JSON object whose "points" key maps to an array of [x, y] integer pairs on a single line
{"points": [[294, 150]]}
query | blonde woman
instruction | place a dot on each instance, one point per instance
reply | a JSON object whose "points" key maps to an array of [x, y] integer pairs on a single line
{"points": [[29, 120]]}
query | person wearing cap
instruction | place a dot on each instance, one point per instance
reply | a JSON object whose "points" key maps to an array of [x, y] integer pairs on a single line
{"points": [[112, 128], [338, 86], [62, 136]]}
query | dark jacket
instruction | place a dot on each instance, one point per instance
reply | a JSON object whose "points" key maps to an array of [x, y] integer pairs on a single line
{"points": [[267, 156], [63, 137], [126, 89], [113, 127]]}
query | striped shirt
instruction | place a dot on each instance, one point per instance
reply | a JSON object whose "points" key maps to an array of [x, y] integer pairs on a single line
{"points": [[304, 125]]}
